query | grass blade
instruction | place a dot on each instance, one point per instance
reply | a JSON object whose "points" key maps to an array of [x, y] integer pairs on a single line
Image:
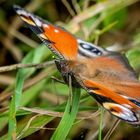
{"points": [[68, 117], [101, 124], [33, 57]]}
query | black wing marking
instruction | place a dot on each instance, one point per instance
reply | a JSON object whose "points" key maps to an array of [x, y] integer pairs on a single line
{"points": [[90, 50]]}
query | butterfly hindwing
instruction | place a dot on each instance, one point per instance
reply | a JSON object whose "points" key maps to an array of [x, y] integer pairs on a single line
{"points": [[112, 71], [112, 82], [117, 105]]}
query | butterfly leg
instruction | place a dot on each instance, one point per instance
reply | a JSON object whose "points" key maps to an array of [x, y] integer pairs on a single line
{"points": [[70, 91]]}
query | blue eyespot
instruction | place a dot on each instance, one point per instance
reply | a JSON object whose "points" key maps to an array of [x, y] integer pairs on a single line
{"points": [[90, 48], [85, 46]]}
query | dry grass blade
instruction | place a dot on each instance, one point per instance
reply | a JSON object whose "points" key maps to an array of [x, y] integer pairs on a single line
{"points": [[5, 96], [43, 112], [43, 128], [89, 116], [94, 10], [86, 4], [109, 133], [6, 79], [17, 66], [67, 5], [81, 117], [24, 38], [76, 6], [27, 126]]}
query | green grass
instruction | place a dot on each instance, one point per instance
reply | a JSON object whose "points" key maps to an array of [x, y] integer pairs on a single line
{"points": [[68, 118]]}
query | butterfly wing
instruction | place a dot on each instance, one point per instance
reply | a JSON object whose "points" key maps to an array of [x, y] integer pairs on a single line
{"points": [[89, 50], [60, 41], [115, 72], [113, 83], [116, 104]]}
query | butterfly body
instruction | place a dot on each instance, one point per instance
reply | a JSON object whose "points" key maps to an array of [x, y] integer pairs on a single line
{"points": [[105, 75], [64, 69]]}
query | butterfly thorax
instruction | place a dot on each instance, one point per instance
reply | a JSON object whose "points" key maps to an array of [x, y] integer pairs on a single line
{"points": [[64, 67]]}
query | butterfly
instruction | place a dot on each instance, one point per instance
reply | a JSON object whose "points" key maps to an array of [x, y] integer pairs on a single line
{"points": [[106, 76]]}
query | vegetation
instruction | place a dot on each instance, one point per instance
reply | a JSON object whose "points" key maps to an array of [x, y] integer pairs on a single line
{"points": [[32, 104]]}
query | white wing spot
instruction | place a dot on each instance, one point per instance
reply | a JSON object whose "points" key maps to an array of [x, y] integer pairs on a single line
{"points": [[46, 26], [56, 31], [37, 21], [43, 36], [22, 12]]}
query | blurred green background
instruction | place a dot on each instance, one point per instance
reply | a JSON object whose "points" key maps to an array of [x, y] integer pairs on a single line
{"points": [[31, 103]]}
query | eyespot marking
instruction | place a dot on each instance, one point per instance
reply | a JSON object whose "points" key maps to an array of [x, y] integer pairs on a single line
{"points": [[90, 50], [121, 112], [85, 46]]}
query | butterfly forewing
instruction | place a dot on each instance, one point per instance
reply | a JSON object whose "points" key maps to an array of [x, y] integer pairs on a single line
{"points": [[87, 49], [60, 42]]}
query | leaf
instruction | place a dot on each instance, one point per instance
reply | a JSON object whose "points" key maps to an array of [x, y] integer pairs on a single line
{"points": [[68, 117], [119, 16], [101, 124], [33, 57], [133, 56]]}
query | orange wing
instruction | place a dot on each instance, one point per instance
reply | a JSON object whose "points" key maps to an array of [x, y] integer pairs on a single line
{"points": [[61, 42], [118, 75], [113, 83], [121, 107], [113, 71], [106, 92]]}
